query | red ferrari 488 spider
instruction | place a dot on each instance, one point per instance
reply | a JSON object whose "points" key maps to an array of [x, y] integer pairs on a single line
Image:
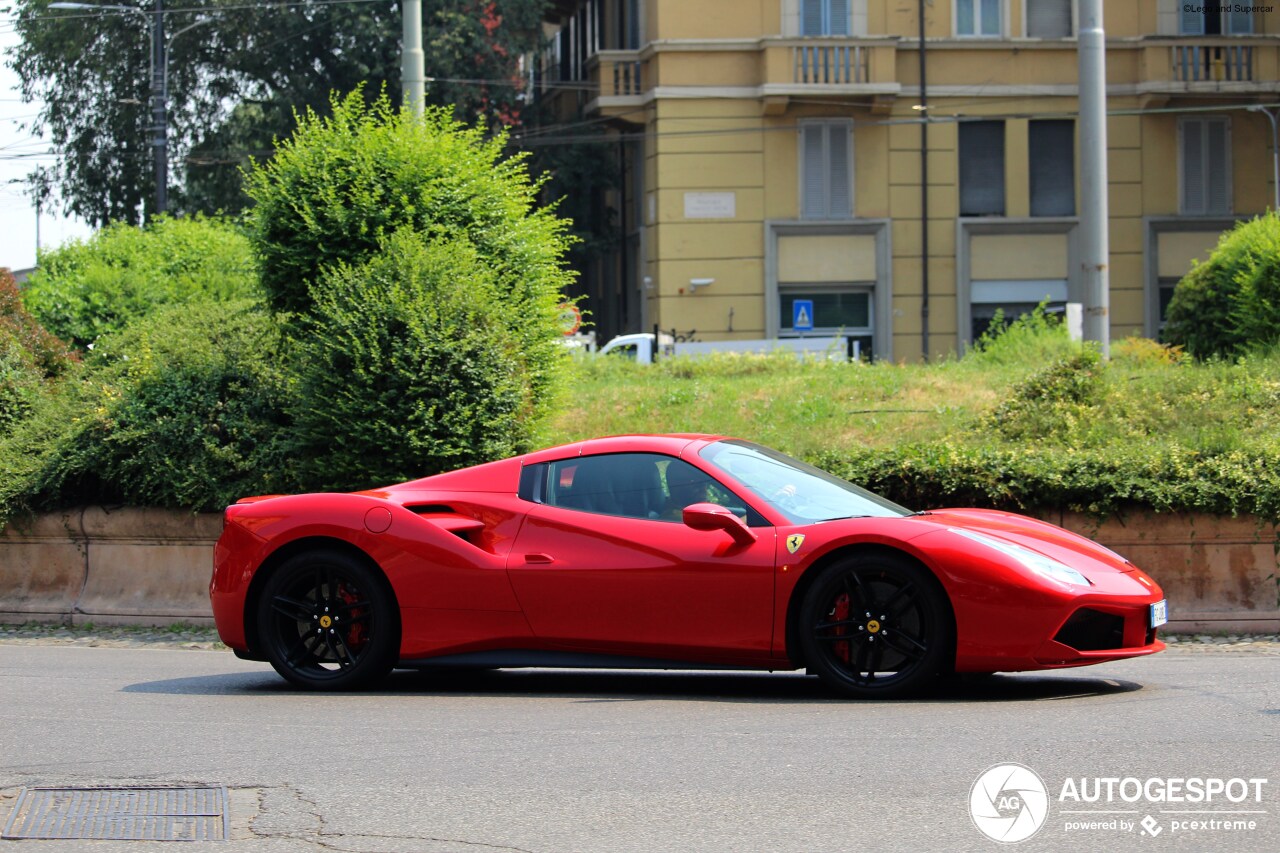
{"points": [[668, 551]]}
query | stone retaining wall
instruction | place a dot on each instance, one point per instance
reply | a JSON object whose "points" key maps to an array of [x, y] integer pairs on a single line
{"points": [[124, 566], [151, 566]]}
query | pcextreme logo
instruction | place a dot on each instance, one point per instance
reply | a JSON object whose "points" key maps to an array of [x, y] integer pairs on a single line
{"points": [[1010, 803]]}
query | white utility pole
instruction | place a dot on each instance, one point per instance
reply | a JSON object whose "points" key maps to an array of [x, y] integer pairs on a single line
{"points": [[413, 73], [1092, 50]]}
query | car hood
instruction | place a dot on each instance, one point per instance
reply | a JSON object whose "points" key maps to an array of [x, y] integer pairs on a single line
{"points": [[1041, 536]]}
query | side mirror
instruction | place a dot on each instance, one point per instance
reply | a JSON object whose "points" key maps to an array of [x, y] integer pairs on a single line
{"points": [[715, 517]]}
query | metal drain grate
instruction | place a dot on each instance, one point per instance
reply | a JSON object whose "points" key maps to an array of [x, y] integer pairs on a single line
{"points": [[120, 814]]}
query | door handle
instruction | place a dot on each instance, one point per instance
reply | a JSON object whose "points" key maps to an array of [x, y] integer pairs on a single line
{"points": [[538, 559]]}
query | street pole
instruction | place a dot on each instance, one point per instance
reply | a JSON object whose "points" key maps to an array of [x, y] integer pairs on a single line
{"points": [[159, 87], [1275, 153], [159, 110], [412, 62], [1092, 50]]}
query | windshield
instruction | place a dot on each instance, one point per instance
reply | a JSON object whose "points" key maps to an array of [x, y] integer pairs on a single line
{"points": [[799, 491]]}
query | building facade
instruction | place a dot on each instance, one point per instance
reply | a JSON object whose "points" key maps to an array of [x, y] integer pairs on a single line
{"points": [[780, 150]]}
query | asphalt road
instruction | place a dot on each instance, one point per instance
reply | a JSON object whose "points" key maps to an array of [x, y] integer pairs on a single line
{"points": [[609, 761]]}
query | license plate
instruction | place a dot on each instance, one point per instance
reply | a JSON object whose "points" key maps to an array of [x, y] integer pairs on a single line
{"points": [[1159, 613]]}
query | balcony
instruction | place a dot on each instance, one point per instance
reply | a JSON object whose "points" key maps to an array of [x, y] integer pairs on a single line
{"points": [[857, 69], [617, 80], [1196, 64]]}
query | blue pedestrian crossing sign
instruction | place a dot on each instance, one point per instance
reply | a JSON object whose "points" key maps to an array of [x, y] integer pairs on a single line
{"points": [[802, 315]]}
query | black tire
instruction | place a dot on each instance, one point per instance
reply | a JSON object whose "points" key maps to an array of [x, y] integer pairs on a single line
{"points": [[876, 626], [328, 621]]}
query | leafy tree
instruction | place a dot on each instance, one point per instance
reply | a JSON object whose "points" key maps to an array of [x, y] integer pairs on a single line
{"points": [[235, 81]]}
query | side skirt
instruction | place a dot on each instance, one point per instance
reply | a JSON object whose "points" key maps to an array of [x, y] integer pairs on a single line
{"points": [[521, 658]]}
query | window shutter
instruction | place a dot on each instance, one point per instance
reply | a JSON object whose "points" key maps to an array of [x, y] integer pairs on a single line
{"points": [[840, 203], [813, 204], [1239, 21], [1217, 174], [811, 18], [982, 168], [1192, 21], [1049, 19], [1193, 166], [839, 17], [1053, 171]]}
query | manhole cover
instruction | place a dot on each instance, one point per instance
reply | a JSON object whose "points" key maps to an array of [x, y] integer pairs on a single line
{"points": [[120, 814]]}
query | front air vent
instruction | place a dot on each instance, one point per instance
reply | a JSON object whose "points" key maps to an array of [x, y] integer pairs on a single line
{"points": [[1090, 630]]}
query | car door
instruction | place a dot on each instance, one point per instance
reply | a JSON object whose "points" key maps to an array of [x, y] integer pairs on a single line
{"points": [[603, 563]]}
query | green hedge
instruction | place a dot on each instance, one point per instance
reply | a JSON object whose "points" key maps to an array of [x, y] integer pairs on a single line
{"points": [[186, 408]]}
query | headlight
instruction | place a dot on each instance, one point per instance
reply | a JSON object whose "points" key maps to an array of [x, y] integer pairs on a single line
{"points": [[1038, 563]]}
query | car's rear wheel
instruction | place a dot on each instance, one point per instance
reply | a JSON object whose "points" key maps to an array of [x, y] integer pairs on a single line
{"points": [[328, 621], [876, 626]]}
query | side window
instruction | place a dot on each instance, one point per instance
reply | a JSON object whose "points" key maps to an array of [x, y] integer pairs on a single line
{"points": [[637, 485]]}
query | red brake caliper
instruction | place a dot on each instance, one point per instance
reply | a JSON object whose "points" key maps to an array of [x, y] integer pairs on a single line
{"points": [[355, 634], [840, 613]]}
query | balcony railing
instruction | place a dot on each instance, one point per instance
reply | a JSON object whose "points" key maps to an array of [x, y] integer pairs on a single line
{"points": [[623, 71], [1195, 63], [839, 64]]}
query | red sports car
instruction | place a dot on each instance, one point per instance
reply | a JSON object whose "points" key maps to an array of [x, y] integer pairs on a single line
{"points": [[664, 551]]}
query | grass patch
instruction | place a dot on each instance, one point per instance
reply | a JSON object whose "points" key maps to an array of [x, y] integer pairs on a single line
{"points": [[1030, 421]]}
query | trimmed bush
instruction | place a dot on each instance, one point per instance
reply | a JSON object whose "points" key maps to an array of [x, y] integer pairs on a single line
{"points": [[1231, 302], [29, 355], [185, 409], [20, 380], [409, 365], [85, 290], [334, 193], [1047, 404], [46, 352]]}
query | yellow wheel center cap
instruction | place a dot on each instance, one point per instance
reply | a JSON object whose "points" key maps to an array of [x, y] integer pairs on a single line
{"points": [[325, 621], [873, 626]]}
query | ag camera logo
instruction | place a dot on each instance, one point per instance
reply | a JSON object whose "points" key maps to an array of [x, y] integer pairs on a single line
{"points": [[1009, 803]]}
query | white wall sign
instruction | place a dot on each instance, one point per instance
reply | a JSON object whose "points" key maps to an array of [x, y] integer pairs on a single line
{"points": [[710, 205]]}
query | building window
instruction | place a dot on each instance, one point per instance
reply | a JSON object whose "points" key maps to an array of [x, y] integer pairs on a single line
{"points": [[1215, 19], [826, 170], [1053, 167], [1050, 19], [824, 17], [978, 17], [982, 168], [839, 309], [1205, 151], [1009, 300]]}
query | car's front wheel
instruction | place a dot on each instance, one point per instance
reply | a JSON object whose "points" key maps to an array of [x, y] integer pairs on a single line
{"points": [[876, 626], [328, 621]]}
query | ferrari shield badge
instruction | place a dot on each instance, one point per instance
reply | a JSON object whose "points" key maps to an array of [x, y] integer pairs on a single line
{"points": [[794, 541]]}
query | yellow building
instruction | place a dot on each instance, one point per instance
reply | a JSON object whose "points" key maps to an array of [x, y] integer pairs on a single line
{"points": [[774, 150]]}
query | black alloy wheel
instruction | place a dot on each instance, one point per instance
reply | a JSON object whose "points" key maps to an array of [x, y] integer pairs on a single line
{"points": [[876, 626], [328, 621]]}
